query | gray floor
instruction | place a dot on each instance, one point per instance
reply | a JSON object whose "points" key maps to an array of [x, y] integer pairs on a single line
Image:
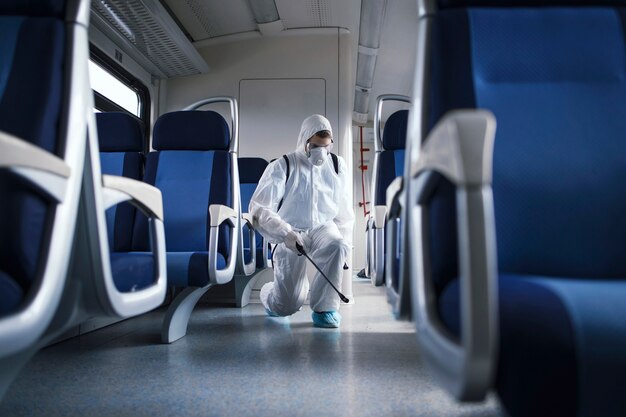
{"points": [[238, 362]]}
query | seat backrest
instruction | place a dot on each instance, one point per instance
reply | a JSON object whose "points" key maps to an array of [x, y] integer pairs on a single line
{"points": [[31, 108], [391, 159], [192, 168], [555, 79], [120, 137], [250, 172]]}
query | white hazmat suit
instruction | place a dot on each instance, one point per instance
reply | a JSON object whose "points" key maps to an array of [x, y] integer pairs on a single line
{"points": [[316, 205]]}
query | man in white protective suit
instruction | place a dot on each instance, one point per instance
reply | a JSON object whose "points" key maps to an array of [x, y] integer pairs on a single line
{"points": [[311, 206]]}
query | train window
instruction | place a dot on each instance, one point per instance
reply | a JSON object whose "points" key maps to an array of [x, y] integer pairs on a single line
{"points": [[116, 89], [107, 86]]}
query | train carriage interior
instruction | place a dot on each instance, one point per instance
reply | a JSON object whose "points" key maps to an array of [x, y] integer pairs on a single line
{"points": [[172, 244]]}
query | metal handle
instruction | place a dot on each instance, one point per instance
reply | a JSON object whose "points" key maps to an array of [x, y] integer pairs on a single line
{"points": [[378, 142], [234, 114], [243, 267]]}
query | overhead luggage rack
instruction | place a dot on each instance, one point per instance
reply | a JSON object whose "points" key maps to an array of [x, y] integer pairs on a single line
{"points": [[145, 31]]}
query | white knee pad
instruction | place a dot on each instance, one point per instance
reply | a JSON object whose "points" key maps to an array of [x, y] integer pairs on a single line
{"points": [[265, 293]]}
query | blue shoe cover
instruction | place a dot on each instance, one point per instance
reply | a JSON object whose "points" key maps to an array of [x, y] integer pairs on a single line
{"points": [[271, 313], [326, 319]]}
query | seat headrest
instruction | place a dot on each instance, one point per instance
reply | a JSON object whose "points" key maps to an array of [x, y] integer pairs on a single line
{"points": [[43, 8], [251, 169], [449, 4], [394, 134], [192, 131], [119, 132]]}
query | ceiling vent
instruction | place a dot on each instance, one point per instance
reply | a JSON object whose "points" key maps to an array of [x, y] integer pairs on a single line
{"points": [[147, 33], [319, 12]]}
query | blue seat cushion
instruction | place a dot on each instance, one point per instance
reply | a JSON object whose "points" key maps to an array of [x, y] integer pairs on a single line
{"points": [[11, 294], [132, 271], [191, 131], [548, 75], [549, 83], [190, 269], [121, 218], [394, 134], [537, 83], [258, 238], [31, 87], [189, 181], [120, 136], [51, 8], [259, 256], [31, 98], [119, 132], [246, 191], [390, 166], [251, 169], [560, 345], [391, 159]]}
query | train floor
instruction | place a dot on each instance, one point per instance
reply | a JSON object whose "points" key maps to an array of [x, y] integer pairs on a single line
{"points": [[239, 362]]}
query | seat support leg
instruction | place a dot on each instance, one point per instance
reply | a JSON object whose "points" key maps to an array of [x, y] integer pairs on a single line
{"points": [[177, 316], [243, 296]]}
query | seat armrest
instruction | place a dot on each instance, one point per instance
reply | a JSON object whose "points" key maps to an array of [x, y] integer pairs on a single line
{"points": [[460, 148], [243, 267], [146, 197], [247, 217], [45, 170], [220, 213], [22, 329], [392, 192], [377, 255]]}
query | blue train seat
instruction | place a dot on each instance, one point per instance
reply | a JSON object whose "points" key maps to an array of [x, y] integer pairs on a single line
{"points": [[89, 289], [193, 166], [388, 167], [394, 141], [252, 254], [120, 137], [525, 234], [40, 165], [55, 266], [250, 172]]}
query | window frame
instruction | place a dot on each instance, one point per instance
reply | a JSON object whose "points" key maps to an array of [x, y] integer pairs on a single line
{"points": [[104, 104]]}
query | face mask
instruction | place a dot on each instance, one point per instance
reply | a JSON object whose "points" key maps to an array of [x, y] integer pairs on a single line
{"points": [[317, 156]]}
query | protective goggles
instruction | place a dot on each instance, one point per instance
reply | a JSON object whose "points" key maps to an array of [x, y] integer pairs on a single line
{"points": [[328, 147]]}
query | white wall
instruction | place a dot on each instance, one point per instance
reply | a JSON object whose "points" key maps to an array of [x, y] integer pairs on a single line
{"points": [[261, 100], [235, 63]]}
